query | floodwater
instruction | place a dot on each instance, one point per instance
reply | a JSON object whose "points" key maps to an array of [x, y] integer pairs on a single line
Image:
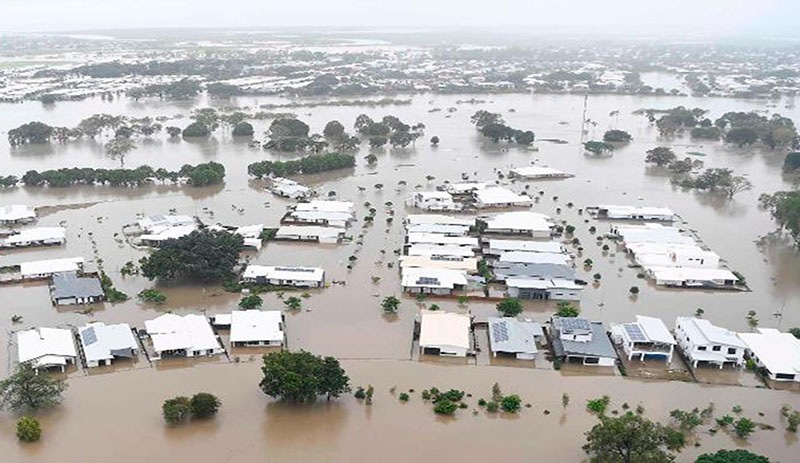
{"points": [[346, 320]]}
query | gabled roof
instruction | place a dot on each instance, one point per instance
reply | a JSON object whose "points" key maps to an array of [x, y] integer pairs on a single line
{"points": [[174, 332], [45, 346], [40, 267], [507, 334], [433, 278], [646, 330], [256, 325], [703, 332], [104, 342], [779, 352], [69, 284]]}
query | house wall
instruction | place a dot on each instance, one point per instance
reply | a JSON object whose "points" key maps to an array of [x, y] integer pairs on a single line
{"points": [[689, 346], [446, 351], [436, 291]]}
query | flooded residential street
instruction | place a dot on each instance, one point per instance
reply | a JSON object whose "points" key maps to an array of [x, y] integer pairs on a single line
{"points": [[116, 415]]}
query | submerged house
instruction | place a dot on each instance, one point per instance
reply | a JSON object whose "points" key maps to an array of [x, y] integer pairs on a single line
{"points": [[496, 247], [319, 212], [499, 197], [693, 277], [68, 288], [438, 281], [257, 328], [647, 337], [46, 268], [182, 336], [538, 265], [777, 353], [322, 235], [580, 339], [302, 277], [103, 343], [433, 201], [16, 214], [557, 289], [538, 173], [508, 335], [43, 236], [522, 223], [289, 189], [46, 347], [613, 212], [444, 333], [465, 264], [702, 341]]}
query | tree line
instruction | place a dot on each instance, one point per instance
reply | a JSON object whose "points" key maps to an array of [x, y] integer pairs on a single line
{"points": [[210, 173], [305, 165], [492, 126]]}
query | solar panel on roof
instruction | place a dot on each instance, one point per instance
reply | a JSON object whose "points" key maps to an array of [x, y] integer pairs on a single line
{"points": [[634, 332], [89, 336], [428, 281], [500, 331]]}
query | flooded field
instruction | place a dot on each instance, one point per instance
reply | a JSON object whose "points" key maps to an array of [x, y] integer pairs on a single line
{"points": [[346, 320]]}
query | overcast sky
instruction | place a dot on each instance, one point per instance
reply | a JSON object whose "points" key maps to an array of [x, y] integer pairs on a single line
{"points": [[676, 17]]}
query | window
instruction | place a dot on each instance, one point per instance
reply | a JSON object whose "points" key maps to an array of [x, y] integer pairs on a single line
{"points": [[716, 348], [732, 351], [701, 347]]}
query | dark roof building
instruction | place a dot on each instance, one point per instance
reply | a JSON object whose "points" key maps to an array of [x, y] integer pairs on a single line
{"points": [[70, 288], [578, 338]]}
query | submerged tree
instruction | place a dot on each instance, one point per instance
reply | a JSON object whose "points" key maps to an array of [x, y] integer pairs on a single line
{"points": [[630, 438], [509, 307], [300, 377], [203, 255], [28, 390]]}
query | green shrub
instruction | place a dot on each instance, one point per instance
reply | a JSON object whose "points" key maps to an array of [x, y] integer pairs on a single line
{"points": [[445, 407], [204, 405], [598, 406], [492, 407], [28, 429], [177, 409], [403, 397], [511, 403]]}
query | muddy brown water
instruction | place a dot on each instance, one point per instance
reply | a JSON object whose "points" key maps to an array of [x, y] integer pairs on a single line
{"points": [[346, 321]]}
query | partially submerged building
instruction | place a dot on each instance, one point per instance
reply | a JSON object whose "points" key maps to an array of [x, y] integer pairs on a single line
{"points": [[444, 333], [645, 338], [319, 212], [536, 265], [303, 277], [701, 341], [439, 219], [16, 214], [465, 188], [777, 353], [182, 336], [499, 197], [257, 328], [439, 239], [70, 288], [693, 277], [543, 289], [613, 212], [465, 264], [323, 235], [522, 223], [583, 340], [42, 236], [433, 201], [496, 247], [46, 268], [538, 173], [509, 335], [102, 343], [46, 347], [289, 189], [438, 281]]}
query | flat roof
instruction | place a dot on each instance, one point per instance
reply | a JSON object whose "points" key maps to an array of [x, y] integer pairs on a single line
{"points": [[688, 273], [256, 325], [500, 195], [42, 345], [615, 210], [439, 219], [14, 212], [507, 334], [779, 352], [538, 171], [519, 220], [439, 328], [528, 246], [311, 230], [42, 267], [433, 277]]}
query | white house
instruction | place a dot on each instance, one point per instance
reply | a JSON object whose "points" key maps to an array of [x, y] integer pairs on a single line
{"points": [[159, 234], [647, 337], [46, 268], [431, 250], [465, 264], [319, 212], [613, 212], [464, 188], [693, 277], [323, 235], [444, 333], [16, 214], [257, 328], [523, 223], [42, 236], [557, 289], [702, 341], [183, 336], [579, 339], [442, 240], [103, 343], [46, 347], [438, 281], [157, 222], [652, 233], [539, 265], [499, 246], [322, 205], [538, 172], [778, 353], [303, 277], [289, 188], [251, 235], [511, 336], [433, 201], [439, 219], [499, 197]]}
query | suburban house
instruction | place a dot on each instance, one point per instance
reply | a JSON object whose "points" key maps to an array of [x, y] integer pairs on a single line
{"points": [[557, 289], [103, 343], [693, 277], [323, 235], [257, 328], [533, 265], [319, 212], [158, 222], [439, 250], [651, 233], [673, 255], [508, 335], [251, 235], [161, 234], [538, 172], [43, 236], [499, 197], [701, 341], [182, 336], [464, 188], [46, 347], [523, 223], [433, 201], [438, 219], [612, 212], [438, 281], [442, 240], [46, 268], [303, 277], [16, 214], [464, 264], [446, 230], [647, 337], [289, 188], [444, 333], [579, 339], [496, 247], [68, 288], [777, 353]]}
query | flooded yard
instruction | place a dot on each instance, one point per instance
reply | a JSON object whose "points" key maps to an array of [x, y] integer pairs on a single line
{"points": [[119, 406]]}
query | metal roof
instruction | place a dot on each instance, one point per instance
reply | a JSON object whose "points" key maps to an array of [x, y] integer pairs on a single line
{"points": [[507, 334], [69, 284]]}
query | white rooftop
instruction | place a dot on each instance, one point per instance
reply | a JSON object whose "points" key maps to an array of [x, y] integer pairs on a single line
{"points": [[538, 172], [702, 329], [527, 246], [36, 234], [521, 257], [436, 238], [779, 352], [433, 277], [499, 196], [16, 212], [318, 205], [519, 220], [100, 341], [284, 273], [467, 264], [163, 233], [691, 274], [439, 250], [161, 221], [531, 283], [174, 332], [256, 325], [615, 211], [45, 346], [311, 230], [47, 267], [465, 187], [439, 219], [438, 328], [653, 330]]}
